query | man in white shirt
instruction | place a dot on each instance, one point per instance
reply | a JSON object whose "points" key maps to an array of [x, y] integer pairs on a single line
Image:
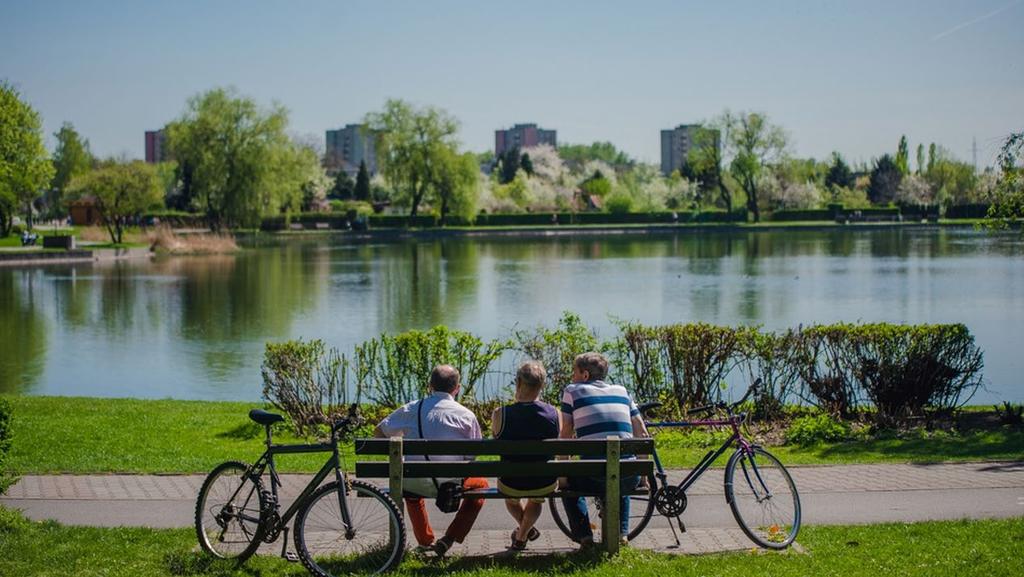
{"points": [[438, 416]]}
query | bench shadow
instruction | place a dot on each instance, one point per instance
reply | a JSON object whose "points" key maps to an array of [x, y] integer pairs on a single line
{"points": [[185, 563], [540, 563]]}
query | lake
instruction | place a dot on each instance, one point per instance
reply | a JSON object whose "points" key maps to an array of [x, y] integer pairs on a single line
{"points": [[195, 327]]}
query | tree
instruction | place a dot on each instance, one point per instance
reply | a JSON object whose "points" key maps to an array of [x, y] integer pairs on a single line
{"points": [[755, 143], [704, 164], [410, 142], [235, 160], [526, 163], [511, 160], [121, 191], [362, 190], [25, 167], [903, 156], [579, 154], [70, 159], [597, 185], [344, 187], [1009, 193], [920, 159], [885, 181], [457, 183], [932, 157], [839, 173]]}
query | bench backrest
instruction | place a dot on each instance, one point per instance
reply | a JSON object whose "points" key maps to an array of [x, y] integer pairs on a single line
{"points": [[599, 451]]}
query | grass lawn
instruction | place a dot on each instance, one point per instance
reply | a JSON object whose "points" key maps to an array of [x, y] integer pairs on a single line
{"points": [[88, 435], [962, 548]]}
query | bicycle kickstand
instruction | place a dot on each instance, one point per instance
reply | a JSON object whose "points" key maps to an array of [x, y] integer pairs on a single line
{"points": [[285, 553], [682, 529]]}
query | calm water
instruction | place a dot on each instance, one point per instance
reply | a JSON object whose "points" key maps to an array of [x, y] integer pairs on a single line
{"points": [[195, 327]]}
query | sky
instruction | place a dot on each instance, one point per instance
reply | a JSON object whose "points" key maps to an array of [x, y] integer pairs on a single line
{"points": [[845, 76]]}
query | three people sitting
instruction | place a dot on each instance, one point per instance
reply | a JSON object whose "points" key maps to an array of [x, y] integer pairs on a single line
{"points": [[590, 409]]}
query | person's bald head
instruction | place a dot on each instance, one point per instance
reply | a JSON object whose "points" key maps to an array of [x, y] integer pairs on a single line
{"points": [[444, 379]]}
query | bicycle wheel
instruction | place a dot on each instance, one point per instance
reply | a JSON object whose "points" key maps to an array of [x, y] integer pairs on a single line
{"points": [[641, 508], [763, 498], [228, 512], [375, 543]]}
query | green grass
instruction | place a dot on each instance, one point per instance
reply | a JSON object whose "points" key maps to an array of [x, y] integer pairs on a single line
{"points": [[962, 548], [89, 435]]}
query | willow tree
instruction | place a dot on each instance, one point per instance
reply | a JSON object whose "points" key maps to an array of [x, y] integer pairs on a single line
{"points": [[235, 159], [412, 143], [25, 167]]}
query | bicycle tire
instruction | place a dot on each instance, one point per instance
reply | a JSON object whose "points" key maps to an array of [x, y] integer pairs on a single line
{"points": [[320, 535], [220, 528], [772, 521], [641, 509]]}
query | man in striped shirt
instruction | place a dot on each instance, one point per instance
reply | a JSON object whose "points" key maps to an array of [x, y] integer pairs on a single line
{"points": [[594, 409]]}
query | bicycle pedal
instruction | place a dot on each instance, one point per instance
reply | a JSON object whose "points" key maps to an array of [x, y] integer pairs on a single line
{"points": [[290, 557]]}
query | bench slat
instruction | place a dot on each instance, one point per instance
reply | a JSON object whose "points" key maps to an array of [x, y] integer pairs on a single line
{"points": [[447, 469], [496, 447]]}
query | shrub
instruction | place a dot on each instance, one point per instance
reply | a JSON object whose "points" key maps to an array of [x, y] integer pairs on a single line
{"points": [[698, 356], [819, 428], [821, 354], [902, 368], [771, 357], [1010, 414], [619, 203], [6, 480], [637, 355], [556, 349], [393, 370], [306, 381]]}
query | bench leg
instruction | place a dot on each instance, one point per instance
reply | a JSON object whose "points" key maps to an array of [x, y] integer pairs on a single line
{"points": [[610, 529], [395, 473]]}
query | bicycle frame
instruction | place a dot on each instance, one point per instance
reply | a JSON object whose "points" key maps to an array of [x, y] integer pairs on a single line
{"points": [[266, 461], [736, 439]]}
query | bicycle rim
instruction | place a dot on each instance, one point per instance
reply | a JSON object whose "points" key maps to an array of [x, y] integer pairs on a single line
{"points": [[228, 512], [375, 545], [763, 498], [641, 508]]}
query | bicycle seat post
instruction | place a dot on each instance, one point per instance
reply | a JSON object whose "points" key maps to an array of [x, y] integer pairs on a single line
{"points": [[269, 440]]}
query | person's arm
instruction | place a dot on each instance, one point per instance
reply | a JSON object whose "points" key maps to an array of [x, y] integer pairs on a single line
{"points": [[496, 423]]}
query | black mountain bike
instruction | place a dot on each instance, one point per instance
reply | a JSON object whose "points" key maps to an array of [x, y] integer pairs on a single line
{"points": [[343, 527], [758, 488]]}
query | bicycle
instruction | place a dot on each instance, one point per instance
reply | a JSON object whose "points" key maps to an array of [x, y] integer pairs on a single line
{"points": [[764, 499], [342, 527]]}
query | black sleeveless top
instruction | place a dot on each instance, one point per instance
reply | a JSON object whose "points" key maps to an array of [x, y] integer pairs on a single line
{"points": [[529, 421]]}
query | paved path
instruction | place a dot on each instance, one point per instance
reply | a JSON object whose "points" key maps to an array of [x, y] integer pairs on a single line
{"points": [[829, 495]]}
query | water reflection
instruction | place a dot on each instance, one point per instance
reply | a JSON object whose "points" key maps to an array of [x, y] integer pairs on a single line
{"points": [[195, 327], [23, 337]]}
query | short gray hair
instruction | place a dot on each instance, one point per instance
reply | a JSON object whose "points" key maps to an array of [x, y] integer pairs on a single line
{"points": [[531, 375], [593, 363]]}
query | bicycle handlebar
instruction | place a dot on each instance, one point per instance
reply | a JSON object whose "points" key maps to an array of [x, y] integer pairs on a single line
{"points": [[349, 422]]}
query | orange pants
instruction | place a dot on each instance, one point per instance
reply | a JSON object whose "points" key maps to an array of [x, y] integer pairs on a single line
{"points": [[461, 524]]}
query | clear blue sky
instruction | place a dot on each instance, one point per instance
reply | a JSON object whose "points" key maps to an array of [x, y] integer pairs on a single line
{"points": [[848, 76]]}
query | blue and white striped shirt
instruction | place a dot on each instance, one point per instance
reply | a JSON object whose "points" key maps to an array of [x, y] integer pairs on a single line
{"points": [[599, 410]]}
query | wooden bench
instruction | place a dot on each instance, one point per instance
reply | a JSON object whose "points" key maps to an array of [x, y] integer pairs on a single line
{"points": [[323, 226], [611, 468]]}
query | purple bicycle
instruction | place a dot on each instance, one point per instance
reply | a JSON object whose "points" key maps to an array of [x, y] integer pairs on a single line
{"points": [[758, 488]]}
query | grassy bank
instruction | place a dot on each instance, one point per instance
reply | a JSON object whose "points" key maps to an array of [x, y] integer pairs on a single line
{"points": [[964, 548], [87, 435]]}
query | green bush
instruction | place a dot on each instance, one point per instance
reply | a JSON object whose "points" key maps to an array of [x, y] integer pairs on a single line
{"points": [[820, 428], [306, 381], [771, 357], [619, 203], [904, 368], [556, 349], [697, 357], [821, 353], [6, 480], [393, 370]]}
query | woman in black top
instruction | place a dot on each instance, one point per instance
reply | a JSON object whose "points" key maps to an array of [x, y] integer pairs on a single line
{"points": [[527, 419]]}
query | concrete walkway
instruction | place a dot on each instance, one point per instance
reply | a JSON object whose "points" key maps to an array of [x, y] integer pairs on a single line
{"points": [[835, 494]]}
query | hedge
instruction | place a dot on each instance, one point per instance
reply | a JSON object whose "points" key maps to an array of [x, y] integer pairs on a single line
{"points": [[967, 211]]}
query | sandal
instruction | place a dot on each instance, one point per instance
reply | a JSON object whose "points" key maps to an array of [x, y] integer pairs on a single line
{"points": [[517, 545], [533, 535], [441, 546]]}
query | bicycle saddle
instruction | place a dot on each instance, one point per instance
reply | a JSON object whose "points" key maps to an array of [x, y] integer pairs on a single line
{"points": [[264, 418]]}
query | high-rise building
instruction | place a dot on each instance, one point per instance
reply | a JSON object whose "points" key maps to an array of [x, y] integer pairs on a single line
{"points": [[522, 136], [156, 146], [676, 144], [347, 147]]}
